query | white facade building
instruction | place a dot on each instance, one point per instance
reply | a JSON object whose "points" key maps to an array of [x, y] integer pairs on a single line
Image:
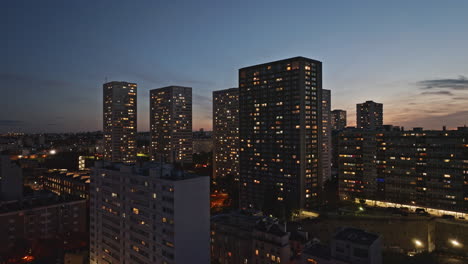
{"points": [[148, 214]]}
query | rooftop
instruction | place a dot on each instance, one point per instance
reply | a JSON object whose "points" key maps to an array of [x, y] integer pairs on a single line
{"points": [[160, 170], [37, 200], [298, 58], [355, 235]]}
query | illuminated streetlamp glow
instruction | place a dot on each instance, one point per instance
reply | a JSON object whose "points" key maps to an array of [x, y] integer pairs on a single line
{"points": [[52, 152], [418, 243], [455, 243]]}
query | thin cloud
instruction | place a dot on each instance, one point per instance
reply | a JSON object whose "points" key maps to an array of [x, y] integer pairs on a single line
{"points": [[453, 84], [437, 93], [460, 98]]}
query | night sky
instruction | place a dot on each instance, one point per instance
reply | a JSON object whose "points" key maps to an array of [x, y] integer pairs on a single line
{"points": [[412, 56]]}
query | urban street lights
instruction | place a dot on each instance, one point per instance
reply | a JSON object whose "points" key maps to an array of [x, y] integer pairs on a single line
{"points": [[455, 243]]}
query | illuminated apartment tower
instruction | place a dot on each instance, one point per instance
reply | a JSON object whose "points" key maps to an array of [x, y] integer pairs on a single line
{"points": [[338, 119], [148, 213], [369, 115], [326, 135], [280, 132], [226, 132], [171, 124], [120, 121]]}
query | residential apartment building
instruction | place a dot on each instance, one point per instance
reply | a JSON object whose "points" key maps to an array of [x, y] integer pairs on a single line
{"points": [[424, 168], [64, 183], [171, 124], [280, 128], [246, 238], [326, 135], [338, 119], [369, 115], [149, 213], [42, 216], [120, 121], [226, 133]]}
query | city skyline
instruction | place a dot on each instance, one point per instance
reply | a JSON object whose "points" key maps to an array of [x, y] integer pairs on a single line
{"points": [[379, 52]]}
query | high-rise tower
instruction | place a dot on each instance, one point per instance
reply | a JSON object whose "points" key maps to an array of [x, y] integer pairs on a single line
{"points": [[280, 132], [226, 133], [171, 124], [369, 115], [120, 121]]}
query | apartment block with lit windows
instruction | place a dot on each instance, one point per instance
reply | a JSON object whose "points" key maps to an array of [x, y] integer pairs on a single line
{"points": [[171, 124], [65, 183], [326, 135], [226, 133], [120, 121], [424, 168], [369, 115], [149, 213], [338, 119], [280, 131], [42, 216], [338, 123]]}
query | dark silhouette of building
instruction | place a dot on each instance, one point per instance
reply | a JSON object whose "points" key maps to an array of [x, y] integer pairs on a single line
{"points": [[280, 132], [369, 115], [338, 119]]}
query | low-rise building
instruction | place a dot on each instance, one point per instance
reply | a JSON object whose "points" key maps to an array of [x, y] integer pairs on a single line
{"points": [[357, 246], [42, 216], [248, 238], [418, 168], [64, 183], [348, 246]]}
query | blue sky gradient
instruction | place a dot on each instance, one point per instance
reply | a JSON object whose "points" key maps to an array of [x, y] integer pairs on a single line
{"points": [[411, 56]]}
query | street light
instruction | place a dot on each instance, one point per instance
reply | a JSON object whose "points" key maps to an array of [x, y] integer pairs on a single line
{"points": [[418, 243], [52, 152], [455, 243]]}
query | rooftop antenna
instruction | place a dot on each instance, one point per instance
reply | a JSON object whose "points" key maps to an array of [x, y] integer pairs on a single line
{"points": [[105, 79]]}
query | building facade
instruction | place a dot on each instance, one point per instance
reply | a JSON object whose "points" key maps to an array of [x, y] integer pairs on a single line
{"points": [[64, 183], [44, 216], [171, 124], [338, 119], [120, 121], [280, 132], [369, 115], [326, 135], [424, 168], [226, 133], [356, 246], [149, 213], [242, 238]]}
